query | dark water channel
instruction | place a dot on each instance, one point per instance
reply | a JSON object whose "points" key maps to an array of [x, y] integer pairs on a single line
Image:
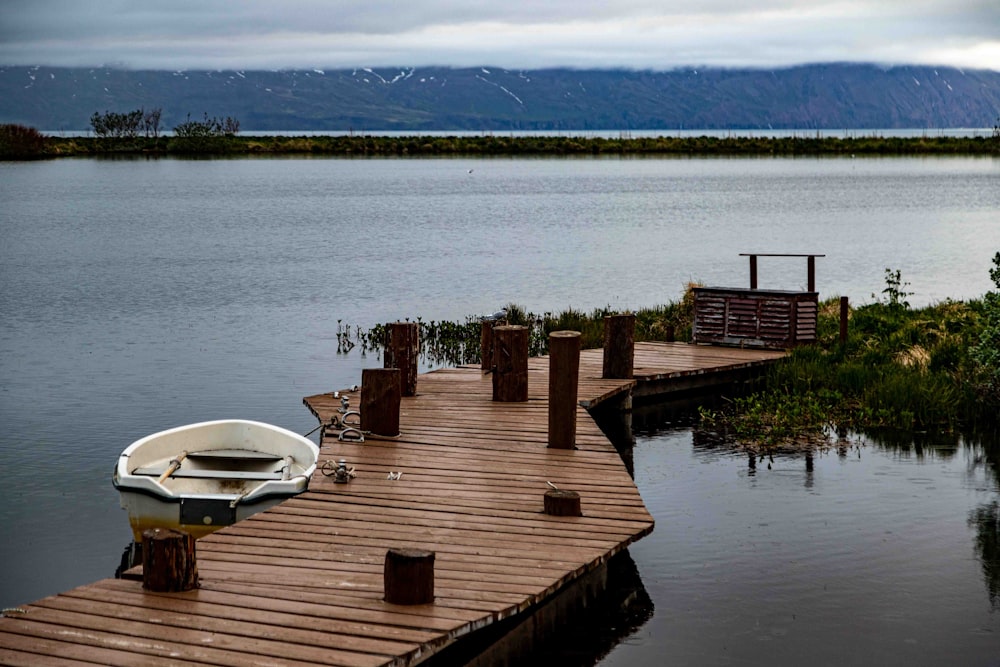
{"points": [[875, 551]]}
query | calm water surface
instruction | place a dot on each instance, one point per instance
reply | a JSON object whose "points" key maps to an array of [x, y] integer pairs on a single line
{"points": [[878, 555], [138, 295]]}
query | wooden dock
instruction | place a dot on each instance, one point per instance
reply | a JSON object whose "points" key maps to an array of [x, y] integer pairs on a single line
{"points": [[301, 584]]}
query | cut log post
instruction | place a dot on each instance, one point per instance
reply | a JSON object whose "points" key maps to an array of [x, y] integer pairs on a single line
{"points": [[844, 314], [619, 346], [409, 576], [564, 379], [402, 349], [169, 564], [486, 342], [559, 502], [510, 363], [380, 398]]}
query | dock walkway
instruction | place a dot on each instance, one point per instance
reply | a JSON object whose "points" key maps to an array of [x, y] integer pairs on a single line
{"points": [[301, 584]]}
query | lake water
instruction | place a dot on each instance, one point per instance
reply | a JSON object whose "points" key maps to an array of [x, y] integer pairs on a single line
{"points": [[876, 554], [143, 294]]}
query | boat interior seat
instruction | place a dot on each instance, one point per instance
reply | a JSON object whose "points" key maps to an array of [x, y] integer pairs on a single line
{"points": [[242, 475]]}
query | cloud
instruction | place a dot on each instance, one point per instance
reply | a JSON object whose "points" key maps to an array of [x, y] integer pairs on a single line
{"points": [[657, 34]]}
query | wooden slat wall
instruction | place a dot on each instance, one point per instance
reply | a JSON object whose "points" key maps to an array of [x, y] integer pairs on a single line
{"points": [[754, 318]]}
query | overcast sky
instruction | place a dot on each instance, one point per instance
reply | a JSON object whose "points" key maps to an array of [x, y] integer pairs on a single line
{"points": [[515, 34]]}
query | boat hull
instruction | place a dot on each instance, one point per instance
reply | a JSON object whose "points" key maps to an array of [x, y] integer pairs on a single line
{"points": [[202, 477]]}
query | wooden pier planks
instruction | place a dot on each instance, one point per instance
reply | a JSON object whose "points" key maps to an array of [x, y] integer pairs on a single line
{"points": [[301, 584]]}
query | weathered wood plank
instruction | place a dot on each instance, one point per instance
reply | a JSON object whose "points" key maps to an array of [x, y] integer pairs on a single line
{"points": [[303, 582]]}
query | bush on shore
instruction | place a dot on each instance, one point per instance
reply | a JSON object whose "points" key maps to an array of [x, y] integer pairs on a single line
{"points": [[19, 142]]}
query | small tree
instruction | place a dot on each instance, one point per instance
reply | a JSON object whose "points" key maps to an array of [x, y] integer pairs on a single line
{"points": [[204, 136], [151, 122], [112, 125]]}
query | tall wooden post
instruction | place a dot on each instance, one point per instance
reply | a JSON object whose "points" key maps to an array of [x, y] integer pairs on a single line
{"points": [[380, 398], [619, 346], [486, 342], [510, 363], [408, 576], [564, 379], [402, 349], [844, 314], [753, 271], [169, 564], [811, 272]]}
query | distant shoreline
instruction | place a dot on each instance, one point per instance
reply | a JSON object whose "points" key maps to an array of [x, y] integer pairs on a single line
{"points": [[503, 145]]}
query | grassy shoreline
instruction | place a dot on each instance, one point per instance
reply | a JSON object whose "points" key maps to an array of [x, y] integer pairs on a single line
{"points": [[500, 145], [934, 369]]}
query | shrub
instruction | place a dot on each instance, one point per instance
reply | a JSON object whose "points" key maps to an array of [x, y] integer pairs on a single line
{"points": [[19, 142], [986, 353], [204, 136]]}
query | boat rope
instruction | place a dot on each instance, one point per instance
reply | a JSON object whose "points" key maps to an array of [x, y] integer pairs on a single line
{"points": [[236, 501], [334, 422], [340, 472]]}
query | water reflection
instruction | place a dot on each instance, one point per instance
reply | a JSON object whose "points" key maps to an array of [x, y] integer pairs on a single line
{"points": [[617, 615], [853, 552], [985, 519]]}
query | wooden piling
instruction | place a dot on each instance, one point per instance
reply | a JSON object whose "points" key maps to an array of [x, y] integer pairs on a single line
{"points": [[564, 378], [169, 564], [560, 502], [402, 350], [619, 346], [380, 398], [408, 576], [844, 314], [510, 363], [486, 342]]}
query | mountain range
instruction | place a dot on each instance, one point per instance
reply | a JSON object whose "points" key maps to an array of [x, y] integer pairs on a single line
{"points": [[822, 96]]}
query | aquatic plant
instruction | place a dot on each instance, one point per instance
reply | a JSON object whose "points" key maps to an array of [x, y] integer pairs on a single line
{"points": [[455, 343], [934, 368]]}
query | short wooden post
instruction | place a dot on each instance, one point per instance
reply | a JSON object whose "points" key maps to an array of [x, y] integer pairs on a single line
{"points": [[510, 363], [380, 398], [811, 272], [753, 271], [409, 576], [402, 349], [844, 314], [169, 564], [619, 346], [486, 342], [564, 379], [559, 502]]}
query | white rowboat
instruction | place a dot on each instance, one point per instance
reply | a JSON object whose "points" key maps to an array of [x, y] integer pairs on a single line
{"points": [[201, 477]]}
